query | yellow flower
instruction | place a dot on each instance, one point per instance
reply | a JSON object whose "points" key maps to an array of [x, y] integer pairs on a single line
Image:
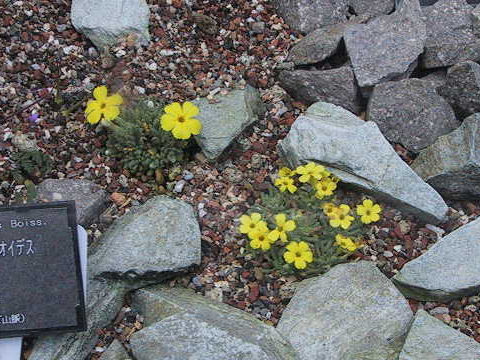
{"points": [[285, 183], [283, 226], [369, 211], [329, 209], [179, 119], [103, 106], [260, 240], [286, 172], [341, 218], [251, 224], [325, 187], [335, 179], [310, 171], [346, 243], [299, 254]]}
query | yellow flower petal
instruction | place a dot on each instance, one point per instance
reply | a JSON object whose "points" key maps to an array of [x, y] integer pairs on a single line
{"points": [[255, 244], [168, 122], [174, 109], [274, 235], [256, 217], [100, 93], [189, 109], [194, 125], [293, 247], [289, 225], [300, 263], [92, 105], [368, 203], [376, 208], [115, 99], [111, 112], [280, 219], [303, 246], [94, 116], [181, 132], [289, 257]]}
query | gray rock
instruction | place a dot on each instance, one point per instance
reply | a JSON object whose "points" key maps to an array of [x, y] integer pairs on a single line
{"points": [[104, 300], [452, 164], [23, 143], [437, 78], [462, 88], [372, 8], [224, 121], [319, 44], [411, 112], [219, 331], [151, 242], [386, 48], [115, 351], [432, 339], [306, 15], [358, 154], [475, 17], [336, 86], [448, 270], [450, 37], [107, 22], [90, 199], [352, 312]]}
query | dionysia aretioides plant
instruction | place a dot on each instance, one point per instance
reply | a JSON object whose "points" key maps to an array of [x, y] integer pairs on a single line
{"points": [[300, 228]]}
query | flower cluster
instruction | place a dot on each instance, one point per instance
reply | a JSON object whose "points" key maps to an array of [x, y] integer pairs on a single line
{"points": [[178, 118], [302, 227]]}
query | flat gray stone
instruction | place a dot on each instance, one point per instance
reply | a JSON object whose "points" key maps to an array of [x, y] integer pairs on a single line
{"points": [[225, 120], [450, 36], [448, 270], [319, 44], [90, 199], [306, 15], [352, 312], [431, 339], [476, 20], [357, 152], [107, 22], [183, 325], [104, 301], [452, 164], [151, 242], [462, 88], [336, 86], [115, 351], [411, 112], [23, 143], [387, 47]]}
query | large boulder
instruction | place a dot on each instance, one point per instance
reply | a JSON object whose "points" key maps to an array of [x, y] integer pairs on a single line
{"points": [[386, 48], [224, 120], [151, 242], [105, 23], [104, 301], [306, 15], [462, 88], [371, 8], [183, 325], [90, 199], [448, 270], [450, 35], [357, 152], [336, 86], [452, 164], [352, 312], [431, 339], [411, 112]]}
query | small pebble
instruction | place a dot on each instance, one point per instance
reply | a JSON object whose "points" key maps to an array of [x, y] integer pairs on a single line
{"points": [[179, 186], [187, 175], [441, 310]]}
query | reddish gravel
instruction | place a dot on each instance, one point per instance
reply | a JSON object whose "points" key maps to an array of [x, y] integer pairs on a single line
{"points": [[43, 59]]}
